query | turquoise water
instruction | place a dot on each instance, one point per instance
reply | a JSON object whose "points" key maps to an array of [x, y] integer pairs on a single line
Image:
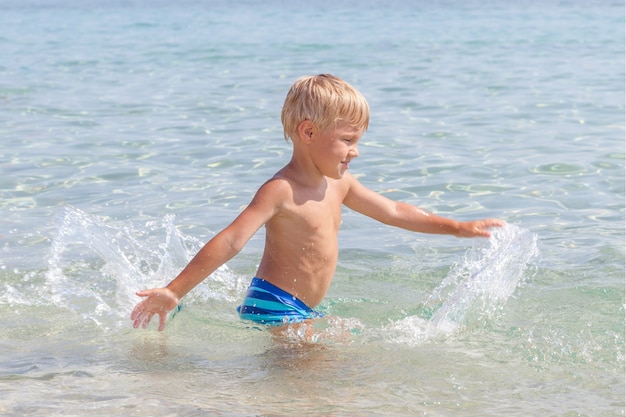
{"points": [[132, 132]]}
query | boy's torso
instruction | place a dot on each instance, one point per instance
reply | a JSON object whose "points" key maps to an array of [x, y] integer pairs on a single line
{"points": [[301, 246]]}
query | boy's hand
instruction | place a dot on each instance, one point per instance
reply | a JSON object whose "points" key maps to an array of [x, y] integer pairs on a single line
{"points": [[159, 301], [478, 228]]}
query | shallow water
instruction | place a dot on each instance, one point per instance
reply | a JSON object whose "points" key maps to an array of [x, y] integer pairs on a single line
{"points": [[131, 133]]}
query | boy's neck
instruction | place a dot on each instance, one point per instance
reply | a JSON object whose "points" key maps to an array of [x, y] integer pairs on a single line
{"points": [[303, 172]]}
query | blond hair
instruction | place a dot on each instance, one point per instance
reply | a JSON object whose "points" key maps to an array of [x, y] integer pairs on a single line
{"points": [[324, 100]]}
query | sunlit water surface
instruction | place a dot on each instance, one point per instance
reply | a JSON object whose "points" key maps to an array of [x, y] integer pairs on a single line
{"points": [[131, 133]]}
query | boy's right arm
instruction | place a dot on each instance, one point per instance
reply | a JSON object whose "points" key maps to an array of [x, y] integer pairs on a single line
{"points": [[215, 253], [160, 301]]}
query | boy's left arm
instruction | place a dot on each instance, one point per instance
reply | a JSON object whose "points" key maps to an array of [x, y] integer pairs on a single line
{"points": [[406, 216]]}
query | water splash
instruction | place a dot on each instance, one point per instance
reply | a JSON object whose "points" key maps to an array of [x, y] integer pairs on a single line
{"points": [[95, 269], [475, 289]]}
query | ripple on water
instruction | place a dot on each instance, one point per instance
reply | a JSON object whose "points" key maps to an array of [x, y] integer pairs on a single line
{"points": [[559, 168]]}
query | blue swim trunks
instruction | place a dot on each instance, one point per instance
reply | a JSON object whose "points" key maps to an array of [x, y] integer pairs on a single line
{"points": [[267, 304]]}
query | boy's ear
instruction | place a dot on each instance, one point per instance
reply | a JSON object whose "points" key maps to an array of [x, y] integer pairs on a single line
{"points": [[306, 129]]}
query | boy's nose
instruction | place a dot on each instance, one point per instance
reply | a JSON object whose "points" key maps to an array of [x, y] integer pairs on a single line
{"points": [[354, 152]]}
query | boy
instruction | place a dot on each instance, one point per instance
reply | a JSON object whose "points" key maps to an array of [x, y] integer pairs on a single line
{"points": [[300, 206]]}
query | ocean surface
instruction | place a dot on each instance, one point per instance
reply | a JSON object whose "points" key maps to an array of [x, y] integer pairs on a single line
{"points": [[133, 131]]}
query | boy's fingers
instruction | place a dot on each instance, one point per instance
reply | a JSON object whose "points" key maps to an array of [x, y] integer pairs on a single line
{"points": [[146, 320], [144, 293], [139, 321], [162, 320], [489, 223], [496, 223]]}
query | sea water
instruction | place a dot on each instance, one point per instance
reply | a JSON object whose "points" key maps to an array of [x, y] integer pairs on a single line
{"points": [[132, 132]]}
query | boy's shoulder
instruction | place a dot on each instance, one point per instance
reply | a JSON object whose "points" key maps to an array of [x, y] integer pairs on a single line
{"points": [[277, 188], [276, 184]]}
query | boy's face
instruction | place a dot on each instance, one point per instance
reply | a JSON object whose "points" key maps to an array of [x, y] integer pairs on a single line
{"points": [[334, 148]]}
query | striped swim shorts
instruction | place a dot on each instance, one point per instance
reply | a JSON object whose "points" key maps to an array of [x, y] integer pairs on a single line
{"points": [[267, 304]]}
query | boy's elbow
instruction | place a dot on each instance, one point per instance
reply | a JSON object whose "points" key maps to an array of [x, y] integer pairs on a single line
{"points": [[234, 243], [227, 244]]}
